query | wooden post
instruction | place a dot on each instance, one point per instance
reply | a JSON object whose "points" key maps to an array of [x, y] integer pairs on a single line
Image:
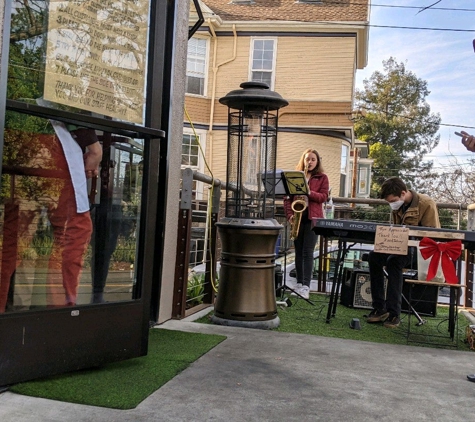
{"points": [[354, 175]]}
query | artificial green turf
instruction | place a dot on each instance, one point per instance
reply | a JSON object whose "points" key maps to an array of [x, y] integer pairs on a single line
{"points": [[123, 385], [304, 318]]}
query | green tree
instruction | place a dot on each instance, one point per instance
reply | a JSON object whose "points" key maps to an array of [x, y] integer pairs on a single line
{"points": [[22, 142], [397, 123], [376, 213]]}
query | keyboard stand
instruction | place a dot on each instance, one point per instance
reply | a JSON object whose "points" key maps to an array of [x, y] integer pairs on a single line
{"points": [[343, 249]]}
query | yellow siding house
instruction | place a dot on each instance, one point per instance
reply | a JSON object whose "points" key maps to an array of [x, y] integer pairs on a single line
{"points": [[306, 50]]}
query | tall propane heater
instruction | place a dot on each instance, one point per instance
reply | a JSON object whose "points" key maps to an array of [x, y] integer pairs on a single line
{"points": [[249, 232]]}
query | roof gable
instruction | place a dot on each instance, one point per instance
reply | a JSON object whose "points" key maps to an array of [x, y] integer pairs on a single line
{"points": [[291, 10]]}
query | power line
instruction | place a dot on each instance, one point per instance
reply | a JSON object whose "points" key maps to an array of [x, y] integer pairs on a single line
{"points": [[418, 28], [428, 7], [375, 110], [421, 8]]}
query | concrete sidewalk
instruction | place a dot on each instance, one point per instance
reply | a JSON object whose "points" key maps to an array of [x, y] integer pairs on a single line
{"points": [[257, 375]]}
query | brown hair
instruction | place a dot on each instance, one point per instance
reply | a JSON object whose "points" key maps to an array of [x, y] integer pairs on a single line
{"points": [[301, 164], [392, 186]]}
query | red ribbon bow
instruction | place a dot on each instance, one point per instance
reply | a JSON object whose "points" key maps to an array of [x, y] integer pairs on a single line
{"points": [[449, 252]]}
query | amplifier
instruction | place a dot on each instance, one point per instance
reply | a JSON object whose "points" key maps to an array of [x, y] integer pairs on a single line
{"points": [[356, 293], [355, 289]]}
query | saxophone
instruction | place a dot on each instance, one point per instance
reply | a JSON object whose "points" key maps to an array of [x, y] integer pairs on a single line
{"points": [[298, 207]]}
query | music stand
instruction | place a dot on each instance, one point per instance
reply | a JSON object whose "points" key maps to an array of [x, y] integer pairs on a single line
{"points": [[285, 182], [295, 182], [274, 183], [289, 183]]}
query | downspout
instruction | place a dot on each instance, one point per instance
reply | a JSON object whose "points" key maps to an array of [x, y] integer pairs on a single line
{"points": [[213, 90], [211, 114]]}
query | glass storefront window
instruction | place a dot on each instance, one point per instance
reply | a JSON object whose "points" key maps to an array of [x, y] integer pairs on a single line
{"points": [[62, 243], [66, 237], [81, 56]]}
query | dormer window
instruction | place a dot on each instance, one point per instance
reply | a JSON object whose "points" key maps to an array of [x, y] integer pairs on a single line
{"points": [[242, 1]]}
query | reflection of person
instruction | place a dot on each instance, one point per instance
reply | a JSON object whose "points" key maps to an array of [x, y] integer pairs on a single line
{"points": [[109, 223], [69, 218], [71, 229], [469, 142], [408, 208], [310, 162]]}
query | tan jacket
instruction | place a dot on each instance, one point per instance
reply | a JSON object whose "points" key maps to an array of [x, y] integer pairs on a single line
{"points": [[421, 212]]}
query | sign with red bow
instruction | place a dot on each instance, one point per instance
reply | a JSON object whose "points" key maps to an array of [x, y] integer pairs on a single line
{"points": [[448, 251]]}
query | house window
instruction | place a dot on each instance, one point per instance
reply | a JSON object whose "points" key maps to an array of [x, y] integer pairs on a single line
{"points": [[263, 61], [363, 182], [196, 66], [191, 157], [190, 151], [344, 170]]}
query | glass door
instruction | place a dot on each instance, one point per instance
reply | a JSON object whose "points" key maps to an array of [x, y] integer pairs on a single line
{"points": [[77, 232]]}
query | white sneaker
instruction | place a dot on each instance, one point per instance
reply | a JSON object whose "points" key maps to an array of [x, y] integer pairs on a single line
{"points": [[305, 292], [297, 289]]}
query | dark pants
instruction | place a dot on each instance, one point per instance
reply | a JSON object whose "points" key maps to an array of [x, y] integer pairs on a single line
{"points": [[304, 248], [394, 266]]}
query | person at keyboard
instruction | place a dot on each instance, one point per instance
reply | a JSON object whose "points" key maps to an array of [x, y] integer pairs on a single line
{"points": [[411, 209]]}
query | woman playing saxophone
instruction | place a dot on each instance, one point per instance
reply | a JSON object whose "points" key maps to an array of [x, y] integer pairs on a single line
{"points": [[300, 217]]}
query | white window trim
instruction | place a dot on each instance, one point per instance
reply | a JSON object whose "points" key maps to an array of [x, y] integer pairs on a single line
{"points": [[274, 58], [202, 138], [345, 169], [206, 71], [201, 162], [363, 177]]}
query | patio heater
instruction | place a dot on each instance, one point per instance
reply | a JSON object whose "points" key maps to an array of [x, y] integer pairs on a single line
{"points": [[249, 232]]}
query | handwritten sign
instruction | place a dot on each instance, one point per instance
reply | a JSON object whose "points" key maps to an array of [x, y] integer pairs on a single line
{"points": [[96, 56], [391, 240]]}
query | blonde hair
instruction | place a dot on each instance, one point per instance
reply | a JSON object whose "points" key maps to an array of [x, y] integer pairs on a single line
{"points": [[301, 164]]}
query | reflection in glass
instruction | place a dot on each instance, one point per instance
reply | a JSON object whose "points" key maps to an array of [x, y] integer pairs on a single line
{"points": [[116, 217], [51, 254], [55, 251], [81, 55]]}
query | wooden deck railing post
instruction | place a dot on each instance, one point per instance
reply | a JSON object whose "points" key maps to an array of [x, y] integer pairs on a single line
{"points": [[211, 258], [183, 246]]}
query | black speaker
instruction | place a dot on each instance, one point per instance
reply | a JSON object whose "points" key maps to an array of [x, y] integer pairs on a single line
{"points": [[347, 288], [356, 293], [423, 298], [356, 289]]}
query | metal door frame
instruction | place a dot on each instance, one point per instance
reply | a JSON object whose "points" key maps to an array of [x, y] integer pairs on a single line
{"points": [[40, 343]]}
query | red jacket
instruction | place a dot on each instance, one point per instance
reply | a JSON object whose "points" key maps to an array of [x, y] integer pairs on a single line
{"points": [[319, 186]]}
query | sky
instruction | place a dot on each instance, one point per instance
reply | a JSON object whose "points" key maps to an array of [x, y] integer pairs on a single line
{"points": [[443, 56]]}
